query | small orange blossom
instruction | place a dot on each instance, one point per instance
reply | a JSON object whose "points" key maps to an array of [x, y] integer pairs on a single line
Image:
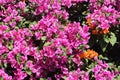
{"points": [[89, 54], [90, 24], [94, 32], [105, 31]]}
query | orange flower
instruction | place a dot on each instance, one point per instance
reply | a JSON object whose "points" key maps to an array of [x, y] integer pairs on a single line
{"points": [[89, 54], [90, 24], [82, 55], [88, 21], [94, 32], [105, 31]]}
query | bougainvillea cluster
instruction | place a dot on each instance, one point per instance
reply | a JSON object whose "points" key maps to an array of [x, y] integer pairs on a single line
{"points": [[38, 41]]}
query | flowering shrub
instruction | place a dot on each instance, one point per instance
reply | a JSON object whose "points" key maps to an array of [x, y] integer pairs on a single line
{"points": [[53, 39]]}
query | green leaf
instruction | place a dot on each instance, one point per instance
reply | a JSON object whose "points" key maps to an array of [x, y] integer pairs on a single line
{"points": [[64, 77], [27, 70], [43, 38], [47, 44], [112, 39], [26, 9], [102, 57], [5, 65], [10, 44], [1, 78], [91, 65], [119, 68], [106, 38], [103, 45], [10, 47], [118, 77], [18, 56], [1, 23], [33, 23]]}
